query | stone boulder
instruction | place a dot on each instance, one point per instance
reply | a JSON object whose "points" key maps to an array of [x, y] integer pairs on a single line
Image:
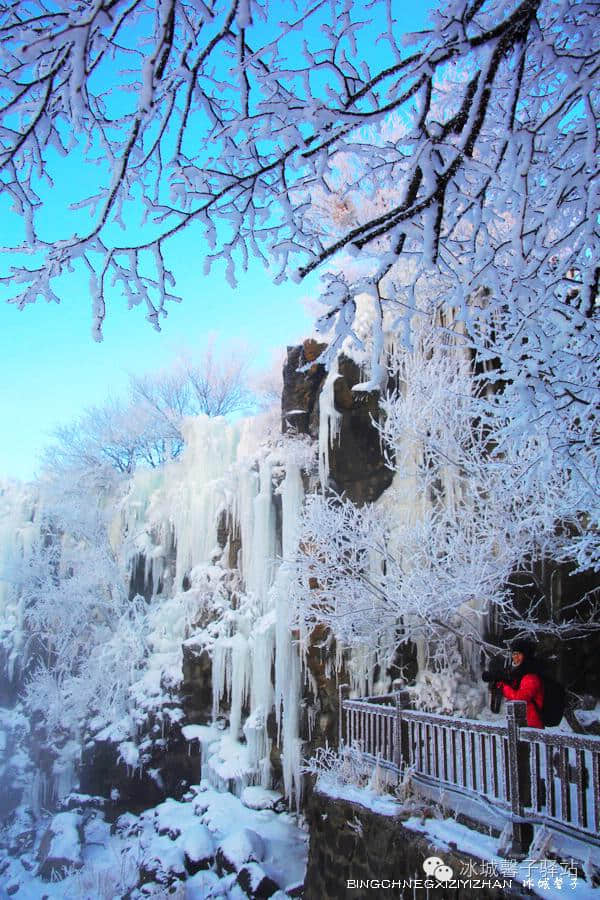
{"points": [[255, 882], [239, 848], [60, 847], [198, 849], [259, 798]]}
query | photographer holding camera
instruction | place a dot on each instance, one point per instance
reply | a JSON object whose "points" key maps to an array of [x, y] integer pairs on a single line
{"points": [[523, 681]]}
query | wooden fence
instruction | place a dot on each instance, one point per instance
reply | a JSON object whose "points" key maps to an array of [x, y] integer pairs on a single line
{"points": [[531, 776]]}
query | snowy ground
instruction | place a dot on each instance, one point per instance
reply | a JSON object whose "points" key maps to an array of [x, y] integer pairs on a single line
{"points": [[208, 845]]}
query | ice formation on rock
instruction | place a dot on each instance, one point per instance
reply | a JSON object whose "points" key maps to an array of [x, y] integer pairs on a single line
{"points": [[228, 472]]}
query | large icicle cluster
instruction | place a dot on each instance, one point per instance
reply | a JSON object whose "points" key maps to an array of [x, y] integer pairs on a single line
{"points": [[228, 473]]}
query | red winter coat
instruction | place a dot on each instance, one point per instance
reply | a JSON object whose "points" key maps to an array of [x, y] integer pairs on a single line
{"points": [[531, 690]]}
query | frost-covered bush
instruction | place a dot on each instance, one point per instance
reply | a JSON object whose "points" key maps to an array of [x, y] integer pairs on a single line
{"points": [[446, 692], [85, 641], [346, 765]]}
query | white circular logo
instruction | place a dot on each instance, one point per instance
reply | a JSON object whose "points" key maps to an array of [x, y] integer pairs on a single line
{"points": [[443, 873], [435, 867]]}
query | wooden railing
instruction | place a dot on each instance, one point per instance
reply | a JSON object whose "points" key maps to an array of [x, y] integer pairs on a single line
{"points": [[528, 775]]}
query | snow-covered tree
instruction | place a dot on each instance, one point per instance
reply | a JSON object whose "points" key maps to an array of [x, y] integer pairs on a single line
{"points": [[463, 516], [116, 435], [146, 428], [84, 637], [210, 383]]}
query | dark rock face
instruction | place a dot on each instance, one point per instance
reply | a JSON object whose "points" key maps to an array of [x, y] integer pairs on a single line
{"points": [[356, 461], [196, 688], [169, 765], [229, 537], [142, 583], [322, 706], [553, 591], [103, 773], [299, 400], [9, 687], [138, 583], [357, 465]]}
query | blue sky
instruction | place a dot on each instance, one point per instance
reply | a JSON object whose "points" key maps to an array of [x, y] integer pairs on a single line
{"points": [[52, 368]]}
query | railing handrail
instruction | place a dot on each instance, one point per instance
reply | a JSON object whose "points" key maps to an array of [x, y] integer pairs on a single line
{"points": [[554, 738], [561, 739], [455, 722]]}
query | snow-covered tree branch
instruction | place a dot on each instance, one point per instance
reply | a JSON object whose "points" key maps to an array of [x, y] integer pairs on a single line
{"points": [[469, 149], [232, 121]]}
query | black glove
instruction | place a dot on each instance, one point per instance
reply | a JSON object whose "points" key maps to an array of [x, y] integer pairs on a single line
{"points": [[487, 677]]}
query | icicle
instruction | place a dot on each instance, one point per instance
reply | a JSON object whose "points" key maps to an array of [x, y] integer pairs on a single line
{"points": [[330, 422], [291, 757], [243, 512], [219, 659], [39, 793], [197, 493], [179, 505], [292, 496], [255, 728], [259, 573], [239, 681]]}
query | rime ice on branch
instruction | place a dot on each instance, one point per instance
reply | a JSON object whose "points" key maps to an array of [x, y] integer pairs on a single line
{"points": [[469, 148]]}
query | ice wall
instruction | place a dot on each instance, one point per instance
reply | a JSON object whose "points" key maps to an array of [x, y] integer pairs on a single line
{"points": [[180, 503], [233, 473], [19, 530]]}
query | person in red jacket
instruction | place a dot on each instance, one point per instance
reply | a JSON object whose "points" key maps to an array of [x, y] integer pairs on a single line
{"points": [[525, 682]]}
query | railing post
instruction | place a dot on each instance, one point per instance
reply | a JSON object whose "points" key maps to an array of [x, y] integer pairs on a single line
{"points": [[400, 737], [343, 691], [519, 778]]}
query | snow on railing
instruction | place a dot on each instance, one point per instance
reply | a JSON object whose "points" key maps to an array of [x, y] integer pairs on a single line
{"points": [[527, 775]]}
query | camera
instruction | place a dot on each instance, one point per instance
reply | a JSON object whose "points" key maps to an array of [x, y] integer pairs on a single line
{"points": [[496, 671]]}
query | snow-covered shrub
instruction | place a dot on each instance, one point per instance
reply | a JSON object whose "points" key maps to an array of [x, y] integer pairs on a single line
{"points": [[445, 686], [346, 765], [446, 692], [84, 640]]}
